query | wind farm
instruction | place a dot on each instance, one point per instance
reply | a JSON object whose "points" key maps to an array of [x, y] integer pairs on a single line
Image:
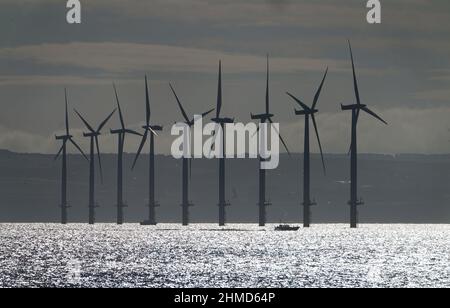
{"points": [[219, 145], [151, 130], [237, 144]]}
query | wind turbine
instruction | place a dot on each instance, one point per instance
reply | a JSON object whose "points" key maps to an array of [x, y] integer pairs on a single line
{"points": [[63, 152], [152, 129], [186, 161], [356, 109], [93, 135], [121, 132], [309, 112], [267, 116], [221, 121]]}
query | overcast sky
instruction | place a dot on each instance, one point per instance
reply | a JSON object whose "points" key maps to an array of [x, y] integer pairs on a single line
{"points": [[403, 66]]}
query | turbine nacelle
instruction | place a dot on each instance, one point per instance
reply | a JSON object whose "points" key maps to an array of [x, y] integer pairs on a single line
{"points": [[64, 137], [117, 131], [352, 107], [91, 134], [306, 112], [223, 120], [262, 117], [125, 131], [153, 127]]}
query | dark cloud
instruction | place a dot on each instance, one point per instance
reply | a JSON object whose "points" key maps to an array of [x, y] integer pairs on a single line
{"points": [[403, 65]]}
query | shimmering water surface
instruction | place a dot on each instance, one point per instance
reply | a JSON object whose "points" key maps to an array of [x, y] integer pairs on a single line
{"points": [[104, 255]]}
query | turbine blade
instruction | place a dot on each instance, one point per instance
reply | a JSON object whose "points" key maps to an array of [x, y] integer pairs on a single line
{"points": [[357, 115], [219, 92], [78, 148], [100, 127], [281, 138], [152, 131], [122, 122], [320, 144], [147, 103], [304, 106], [141, 146], [316, 97], [99, 159], [59, 152], [67, 112], [183, 112], [366, 109], [355, 82], [130, 131], [267, 87], [204, 114], [85, 122]]}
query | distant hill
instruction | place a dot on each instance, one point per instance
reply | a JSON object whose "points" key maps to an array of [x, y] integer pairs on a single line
{"points": [[400, 189]]}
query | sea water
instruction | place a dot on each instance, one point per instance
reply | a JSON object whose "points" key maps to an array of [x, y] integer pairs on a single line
{"points": [[204, 255]]}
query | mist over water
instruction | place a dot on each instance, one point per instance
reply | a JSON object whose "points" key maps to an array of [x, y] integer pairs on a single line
{"points": [[106, 255]]}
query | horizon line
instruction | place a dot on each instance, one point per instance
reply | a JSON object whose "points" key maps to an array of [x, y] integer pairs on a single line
{"points": [[281, 154]]}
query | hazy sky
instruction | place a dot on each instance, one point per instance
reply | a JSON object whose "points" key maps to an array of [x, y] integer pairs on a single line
{"points": [[403, 67]]}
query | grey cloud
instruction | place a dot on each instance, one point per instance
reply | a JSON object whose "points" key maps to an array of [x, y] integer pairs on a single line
{"points": [[403, 66], [126, 57]]}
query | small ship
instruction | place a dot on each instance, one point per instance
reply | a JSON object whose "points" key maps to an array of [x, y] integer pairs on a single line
{"points": [[286, 228]]}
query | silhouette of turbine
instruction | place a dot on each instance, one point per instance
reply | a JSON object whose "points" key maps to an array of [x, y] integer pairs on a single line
{"points": [[221, 121], [309, 113], [93, 135], [152, 129], [356, 109], [121, 132], [267, 116], [63, 152], [185, 195]]}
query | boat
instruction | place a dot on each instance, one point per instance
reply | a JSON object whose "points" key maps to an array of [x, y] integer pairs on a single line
{"points": [[286, 228]]}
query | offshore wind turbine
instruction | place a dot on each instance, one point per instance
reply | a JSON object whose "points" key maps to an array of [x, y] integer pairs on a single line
{"points": [[265, 117], [187, 163], [356, 109], [121, 133], [93, 135], [63, 152], [221, 121], [309, 112], [152, 130]]}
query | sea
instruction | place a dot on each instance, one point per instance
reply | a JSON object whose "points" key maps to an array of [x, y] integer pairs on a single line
{"points": [[238, 255]]}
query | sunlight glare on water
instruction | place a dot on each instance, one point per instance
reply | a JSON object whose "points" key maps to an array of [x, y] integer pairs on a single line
{"points": [[202, 255]]}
